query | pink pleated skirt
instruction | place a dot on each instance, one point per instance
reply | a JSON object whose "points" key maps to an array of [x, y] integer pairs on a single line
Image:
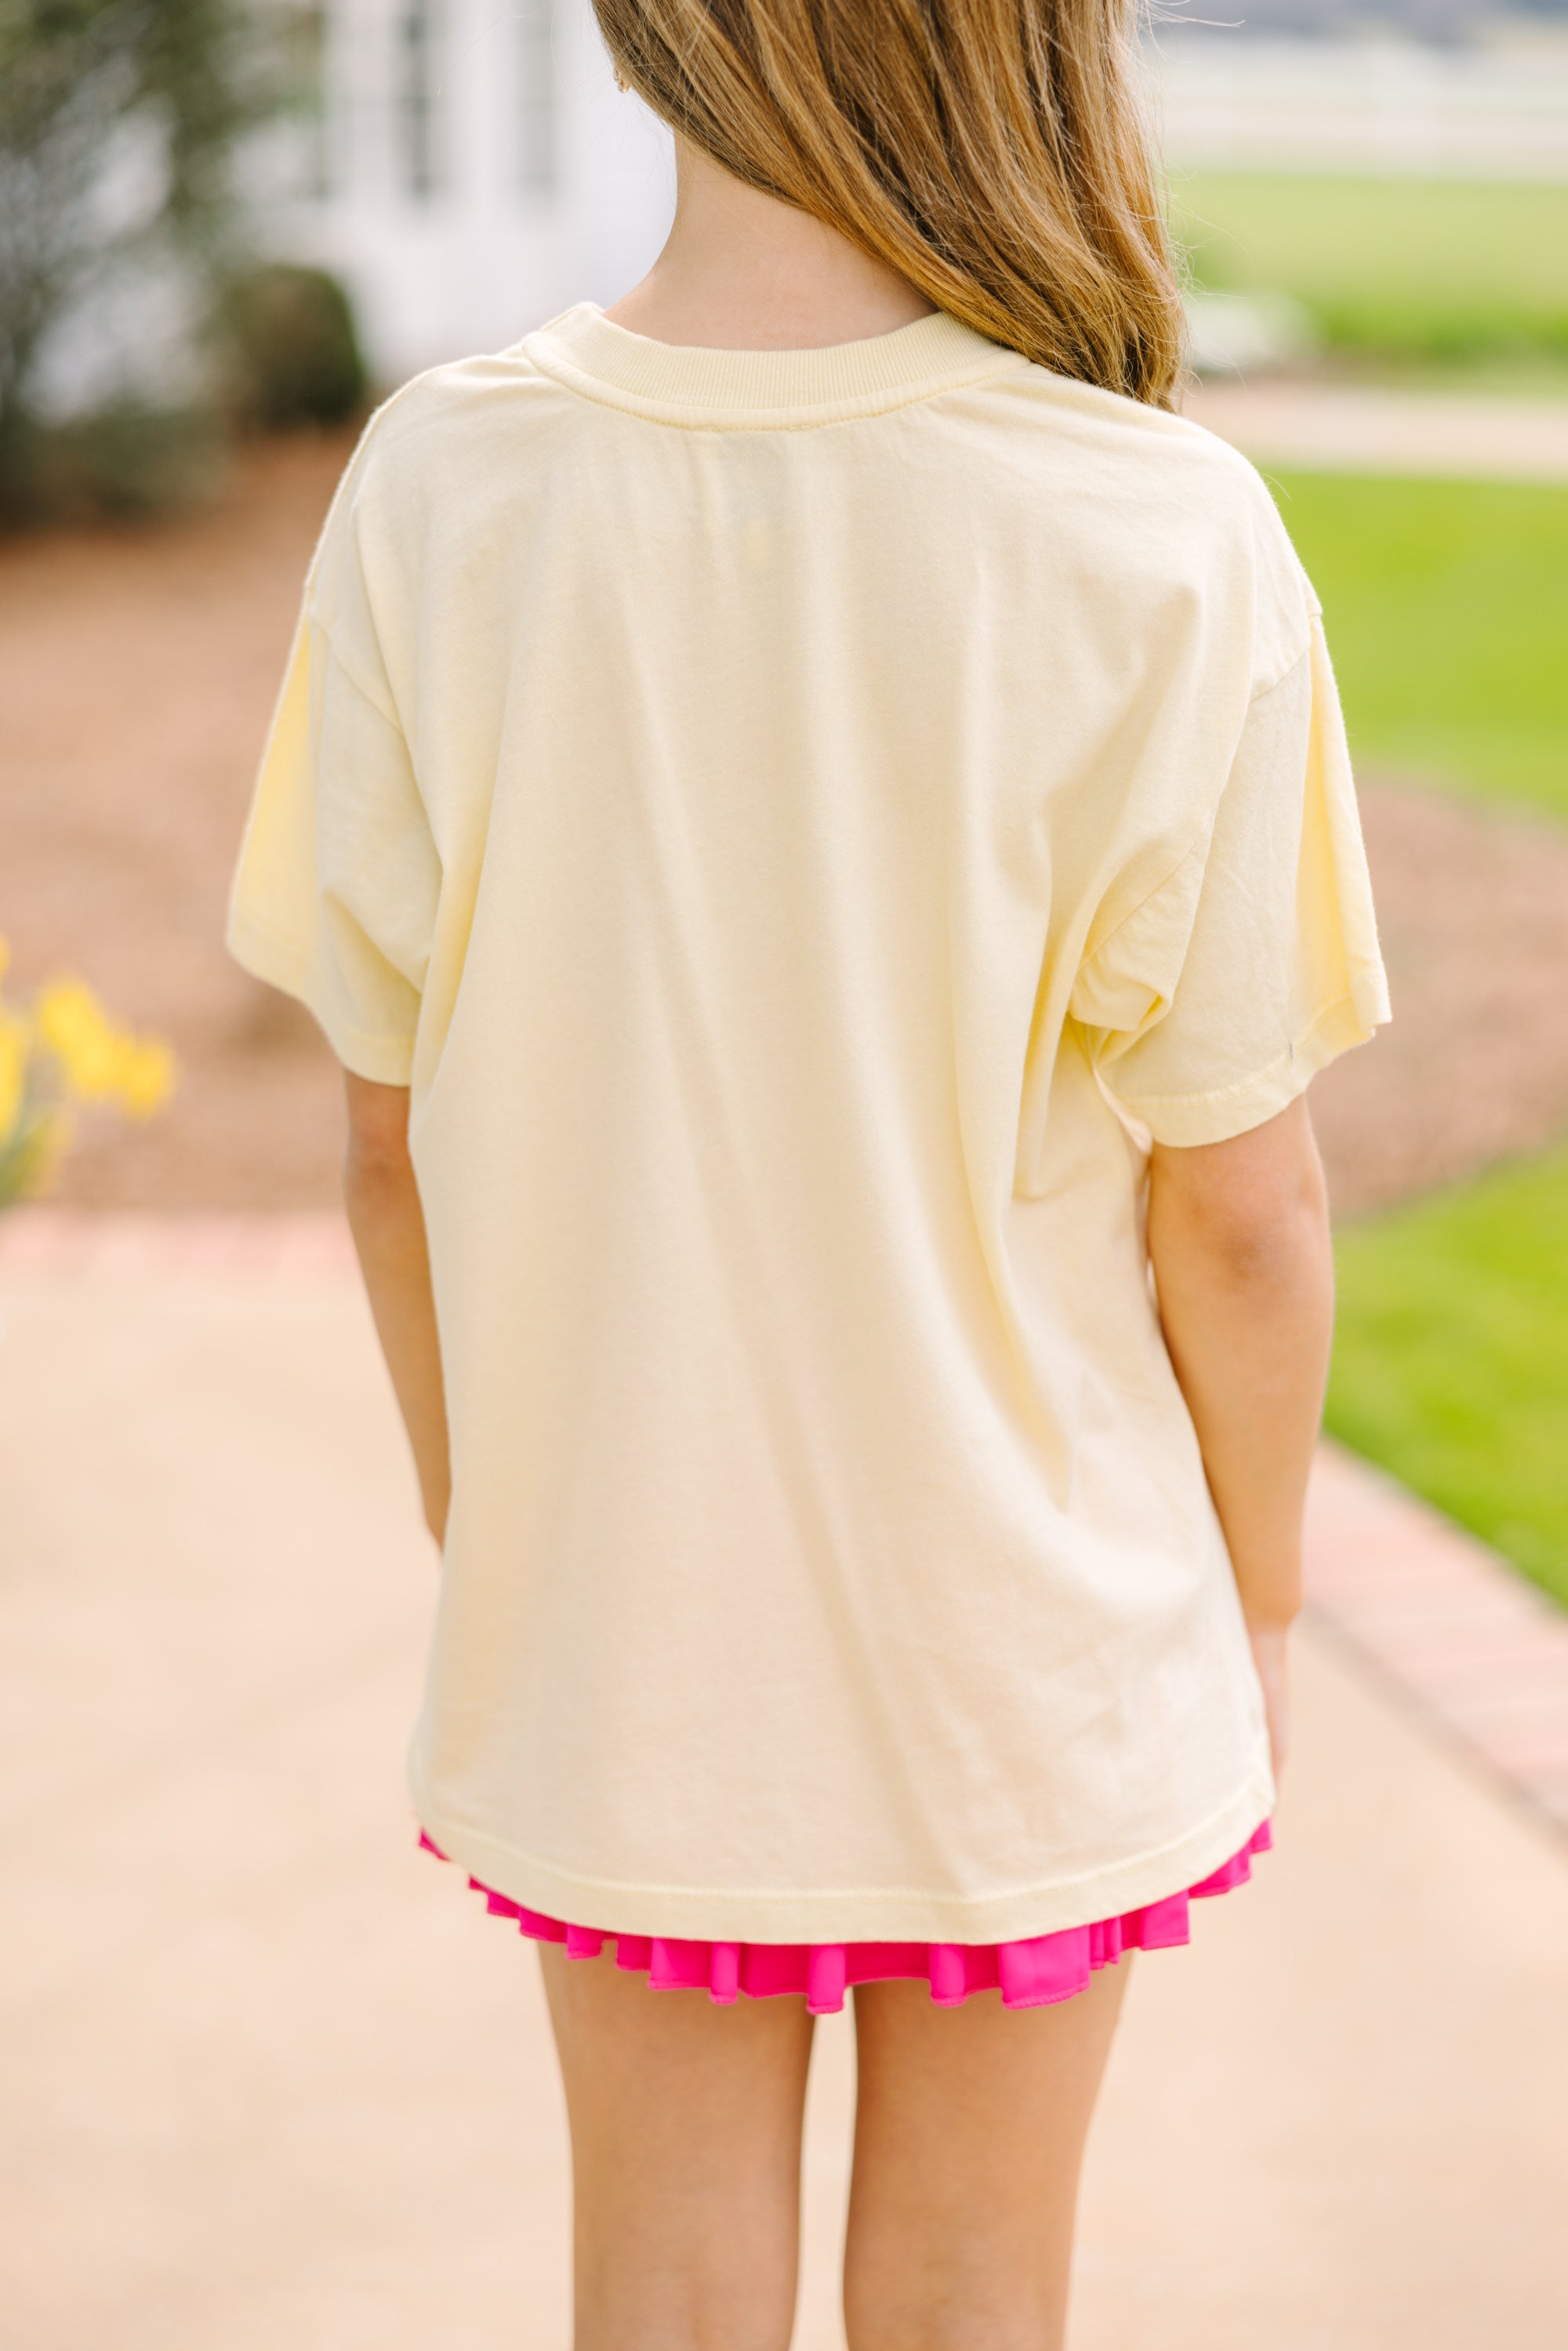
{"points": [[1029, 1974]]}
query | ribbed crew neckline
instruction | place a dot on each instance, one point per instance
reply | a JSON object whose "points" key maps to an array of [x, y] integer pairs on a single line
{"points": [[686, 382]]}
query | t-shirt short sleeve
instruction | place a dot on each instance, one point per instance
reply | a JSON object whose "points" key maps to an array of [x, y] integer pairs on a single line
{"points": [[1211, 1006], [336, 893]]}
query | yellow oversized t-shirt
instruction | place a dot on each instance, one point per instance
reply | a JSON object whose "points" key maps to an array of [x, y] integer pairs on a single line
{"points": [[798, 821]]}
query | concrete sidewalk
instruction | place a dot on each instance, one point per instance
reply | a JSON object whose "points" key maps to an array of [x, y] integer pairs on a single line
{"points": [[272, 2078], [1375, 429]]}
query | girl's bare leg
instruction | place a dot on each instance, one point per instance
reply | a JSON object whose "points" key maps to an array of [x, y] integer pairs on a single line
{"points": [[969, 2134], [685, 2147]]}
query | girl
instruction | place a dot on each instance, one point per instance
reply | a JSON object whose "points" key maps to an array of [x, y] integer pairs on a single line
{"points": [[812, 809]]}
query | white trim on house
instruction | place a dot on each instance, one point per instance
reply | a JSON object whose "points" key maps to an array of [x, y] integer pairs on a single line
{"points": [[474, 169]]}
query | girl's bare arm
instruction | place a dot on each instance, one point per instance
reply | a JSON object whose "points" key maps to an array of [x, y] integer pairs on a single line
{"points": [[388, 1225], [1238, 1235]]}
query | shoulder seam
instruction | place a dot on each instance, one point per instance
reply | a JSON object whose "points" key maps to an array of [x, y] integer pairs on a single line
{"points": [[351, 473], [1287, 669], [366, 695], [1189, 853], [1258, 695]]}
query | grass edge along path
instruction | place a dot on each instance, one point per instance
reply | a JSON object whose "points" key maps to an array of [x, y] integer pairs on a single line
{"points": [[1450, 1365], [1446, 605]]}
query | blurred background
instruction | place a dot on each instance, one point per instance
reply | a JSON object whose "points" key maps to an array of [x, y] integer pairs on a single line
{"points": [[227, 228], [230, 225]]}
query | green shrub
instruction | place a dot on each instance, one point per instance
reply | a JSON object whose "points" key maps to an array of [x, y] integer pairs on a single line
{"points": [[181, 80], [291, 355]]}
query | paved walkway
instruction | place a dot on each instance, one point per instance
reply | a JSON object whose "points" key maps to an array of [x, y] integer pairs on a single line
{"points": [[273, 2079], [1364, 428]]}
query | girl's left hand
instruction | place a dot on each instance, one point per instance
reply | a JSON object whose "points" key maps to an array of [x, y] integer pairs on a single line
{"points": [[1270, 1656]]}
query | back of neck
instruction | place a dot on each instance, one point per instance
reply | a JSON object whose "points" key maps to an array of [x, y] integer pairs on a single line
{"points": [[743, 272]]}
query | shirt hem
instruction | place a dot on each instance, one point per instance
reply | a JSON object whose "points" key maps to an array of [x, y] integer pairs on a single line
{"points": [[386, 1061], [892, 1915], [1186, 1121]]}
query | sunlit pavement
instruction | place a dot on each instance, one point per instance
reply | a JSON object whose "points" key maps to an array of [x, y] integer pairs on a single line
{"points": [[272, 2078], [1378, 429]]}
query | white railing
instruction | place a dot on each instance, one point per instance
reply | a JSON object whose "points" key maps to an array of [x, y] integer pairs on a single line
{"points": [[1497, 110]]}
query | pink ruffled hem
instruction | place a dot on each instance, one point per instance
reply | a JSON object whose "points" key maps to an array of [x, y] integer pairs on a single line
{"points": [[1031, 1974]]}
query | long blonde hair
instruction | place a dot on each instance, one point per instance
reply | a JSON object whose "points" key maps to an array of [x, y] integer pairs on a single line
{"points": [[992, 151]]}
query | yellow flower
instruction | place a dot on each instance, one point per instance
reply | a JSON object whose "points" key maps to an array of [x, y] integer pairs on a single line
{"points": [[146, 1075], [73, 1026], [13, 1071], [87, 1057], [99, 1061]]}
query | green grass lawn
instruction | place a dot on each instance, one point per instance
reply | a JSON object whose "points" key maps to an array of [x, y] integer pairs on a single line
{"points": [[1448, 611], [1451, 1363], [1442, 270], [1446, 608]]}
